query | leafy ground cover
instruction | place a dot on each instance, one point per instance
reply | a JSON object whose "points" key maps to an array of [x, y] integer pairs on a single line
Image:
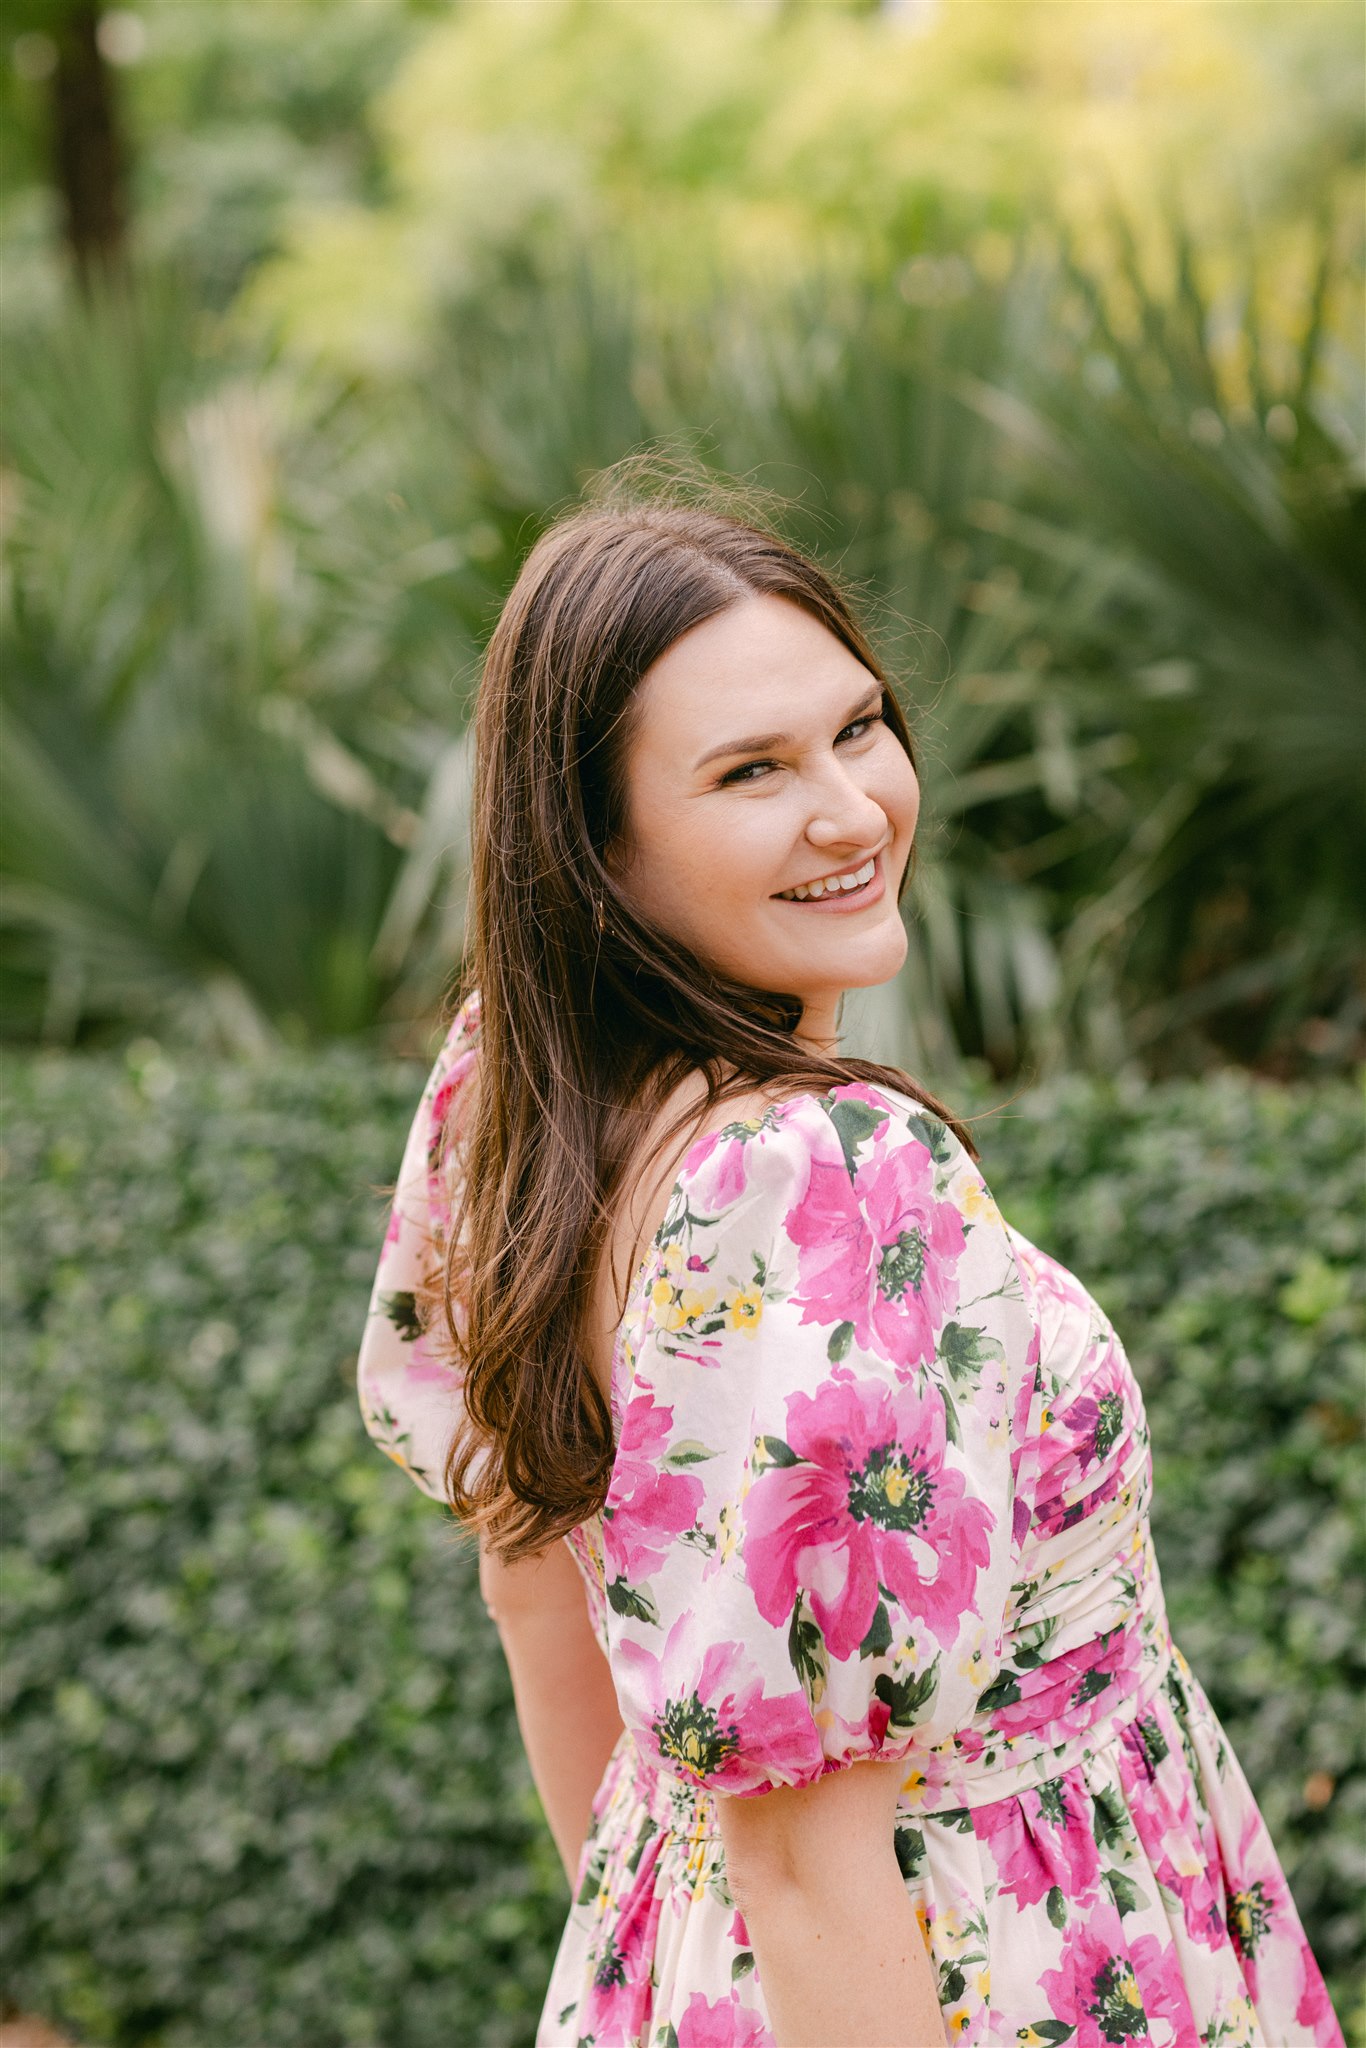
{"points": [[261, 1780]]}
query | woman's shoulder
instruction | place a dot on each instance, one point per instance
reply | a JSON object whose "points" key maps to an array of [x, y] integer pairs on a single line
{"points": [[848, 1143], [442, 1108], [455, 1058]]}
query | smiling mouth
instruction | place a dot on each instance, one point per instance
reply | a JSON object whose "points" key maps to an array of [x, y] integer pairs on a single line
{"points": [[843, 884]]}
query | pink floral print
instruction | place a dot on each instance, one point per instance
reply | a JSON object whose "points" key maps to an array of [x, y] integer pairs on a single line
{"points": [[877, 1252], [881, 1489], [654, 1503], [719, 1727], [859, 1478], [1110, 1990]]}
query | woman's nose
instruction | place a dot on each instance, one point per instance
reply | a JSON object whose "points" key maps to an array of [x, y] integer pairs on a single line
{"points": [[846, 815]]}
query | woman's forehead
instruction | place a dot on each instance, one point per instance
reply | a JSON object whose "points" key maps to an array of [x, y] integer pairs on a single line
{"points": [[762, 666]]}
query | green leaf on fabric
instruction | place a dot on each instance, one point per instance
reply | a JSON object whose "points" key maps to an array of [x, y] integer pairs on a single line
{"points": [[855, 1122], [636, 1601], [1127, 1896], [777, 1452], [1002, 1692], [904, 1697], [689, 1452], [879, 1636], [841, 1337], [965, 1350], [932, 1133], [807, 1652], [402, 1311]]}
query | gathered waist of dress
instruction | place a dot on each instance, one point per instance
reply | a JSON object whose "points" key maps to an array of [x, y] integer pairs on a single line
{"points": [[1099, 1690]]}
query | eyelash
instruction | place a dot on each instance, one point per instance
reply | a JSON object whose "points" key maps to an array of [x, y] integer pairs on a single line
{"points": [[734, 776]]}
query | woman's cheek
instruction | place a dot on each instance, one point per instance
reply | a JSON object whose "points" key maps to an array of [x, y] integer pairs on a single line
{"points": [[898, 791]]}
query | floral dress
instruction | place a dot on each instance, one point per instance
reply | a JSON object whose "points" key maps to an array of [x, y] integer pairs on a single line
{"points": [[881, 1490]]}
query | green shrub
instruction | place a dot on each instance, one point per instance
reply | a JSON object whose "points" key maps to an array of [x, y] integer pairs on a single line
{"points": [[262, 1782]]}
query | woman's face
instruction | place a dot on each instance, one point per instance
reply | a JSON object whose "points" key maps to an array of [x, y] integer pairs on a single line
{"points": [[759, 770]]}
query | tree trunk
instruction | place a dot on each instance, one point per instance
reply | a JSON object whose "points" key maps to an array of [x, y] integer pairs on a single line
{"points": [[88, 154]]}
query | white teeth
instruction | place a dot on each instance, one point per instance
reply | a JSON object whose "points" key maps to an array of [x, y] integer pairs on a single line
{"points": [[833, 885]]}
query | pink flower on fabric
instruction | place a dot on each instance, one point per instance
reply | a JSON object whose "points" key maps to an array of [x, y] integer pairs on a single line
{"points": [[727, 2024], [719, 1164], [1042, 1840], [647, 1506], [1062, 1697], [1093, 1430], [1181, 1848], [717, 1167], [618, 2006], [878, 1251], [864, 1498], [1255, 1898], [1313, 2011], [428, 1365], [1110, 1989], [703, 1712]]}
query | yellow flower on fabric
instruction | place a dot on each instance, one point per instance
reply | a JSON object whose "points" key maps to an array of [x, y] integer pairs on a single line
{"points": [[694, 1302], [661, 1294], [949, 1936], [977, 1204], [913, 1785], [672, 1256], [745, 1309], [674, 1317], [975, 1669], [958, 2023]]}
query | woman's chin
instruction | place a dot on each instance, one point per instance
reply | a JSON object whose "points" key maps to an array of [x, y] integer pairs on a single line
{"points": [[879, 959]]}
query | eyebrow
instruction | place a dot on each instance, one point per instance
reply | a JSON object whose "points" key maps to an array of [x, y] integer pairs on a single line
{"points": [[761, 742]]}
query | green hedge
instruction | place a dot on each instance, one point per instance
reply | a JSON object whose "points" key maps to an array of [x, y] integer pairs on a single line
{"points": [[261, 1782]]}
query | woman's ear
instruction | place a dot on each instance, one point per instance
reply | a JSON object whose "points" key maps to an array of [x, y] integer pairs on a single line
{"points": [[616, 858]]}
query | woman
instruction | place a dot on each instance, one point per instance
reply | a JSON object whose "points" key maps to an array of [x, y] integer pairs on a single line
{"points": [[848, 1471]]}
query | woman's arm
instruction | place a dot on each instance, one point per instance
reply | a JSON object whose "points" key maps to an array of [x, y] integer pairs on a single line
{"points": [[566, 1706], [838, 1948]]}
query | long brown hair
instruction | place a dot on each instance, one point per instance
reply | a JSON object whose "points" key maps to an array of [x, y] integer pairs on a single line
{"points": [[589, 1017]]}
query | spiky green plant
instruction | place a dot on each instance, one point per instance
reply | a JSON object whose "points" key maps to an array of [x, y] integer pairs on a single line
{"points": [[1198, 460]]}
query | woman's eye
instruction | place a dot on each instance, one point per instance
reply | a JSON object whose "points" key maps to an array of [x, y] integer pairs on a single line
{"points": [[746, 773], [861, 727]]}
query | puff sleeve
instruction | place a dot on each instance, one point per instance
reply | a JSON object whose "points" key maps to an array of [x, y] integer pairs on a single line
{"points": [[408, 1386], [808, 1534]]}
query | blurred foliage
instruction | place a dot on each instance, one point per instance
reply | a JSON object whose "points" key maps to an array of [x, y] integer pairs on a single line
{"points": [[1043, 320], [775, 140], [262, 1779], [244, 607], [236, 115]]}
